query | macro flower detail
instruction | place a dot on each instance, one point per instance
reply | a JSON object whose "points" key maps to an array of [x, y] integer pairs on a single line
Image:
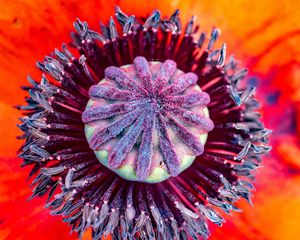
{"points": [[147, 95], [149, 99]]}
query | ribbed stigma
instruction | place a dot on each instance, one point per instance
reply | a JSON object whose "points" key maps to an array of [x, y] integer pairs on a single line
{"points": [[147, 121]]}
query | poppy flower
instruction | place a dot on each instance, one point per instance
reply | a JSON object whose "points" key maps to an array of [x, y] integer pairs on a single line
{"points": [[30, 32]]}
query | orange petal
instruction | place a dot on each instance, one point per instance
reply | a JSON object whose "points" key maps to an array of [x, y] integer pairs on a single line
{"points": [[32, 30], [8, 130]]}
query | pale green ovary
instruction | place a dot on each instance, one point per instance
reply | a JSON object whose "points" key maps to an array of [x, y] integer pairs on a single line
{"points": [[127, 171]]}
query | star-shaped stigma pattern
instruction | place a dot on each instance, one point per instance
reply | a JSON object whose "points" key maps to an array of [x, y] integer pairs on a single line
{"points": [[148, 115]]}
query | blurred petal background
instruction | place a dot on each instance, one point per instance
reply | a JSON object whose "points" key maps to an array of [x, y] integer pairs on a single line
{"points": [[264, 35]]}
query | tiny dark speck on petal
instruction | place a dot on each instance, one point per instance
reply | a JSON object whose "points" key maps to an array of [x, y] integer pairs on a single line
{"points": [[273, 97], [253, 82], [293, 171], [16, 21]]}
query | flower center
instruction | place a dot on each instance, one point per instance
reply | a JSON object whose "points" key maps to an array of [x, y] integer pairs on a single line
{"points": [[147, 121], [156, 104]]}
